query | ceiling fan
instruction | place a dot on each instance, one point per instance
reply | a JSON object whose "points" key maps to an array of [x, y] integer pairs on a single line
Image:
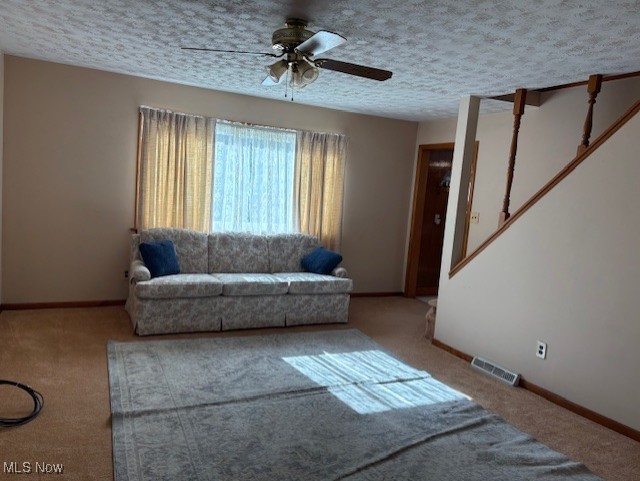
{"points": [[297, 46]]}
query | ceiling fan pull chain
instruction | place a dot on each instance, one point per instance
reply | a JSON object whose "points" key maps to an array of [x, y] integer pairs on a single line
{"points": [[286, 83]]}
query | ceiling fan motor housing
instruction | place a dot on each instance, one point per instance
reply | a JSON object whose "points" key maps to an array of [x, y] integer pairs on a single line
{"points": [[289, 37]]}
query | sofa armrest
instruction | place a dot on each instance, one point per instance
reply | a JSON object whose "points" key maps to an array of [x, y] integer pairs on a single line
{"points": [[340, 272], [138, 271]]}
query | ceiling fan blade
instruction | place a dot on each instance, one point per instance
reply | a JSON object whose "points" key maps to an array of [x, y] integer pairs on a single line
{"points": [[320, 42], [231, 51], [354, 69]]}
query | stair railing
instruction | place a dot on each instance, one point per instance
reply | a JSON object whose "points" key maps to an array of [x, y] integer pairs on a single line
{"points": [[593, 89], [584, 151], [518, 111]]}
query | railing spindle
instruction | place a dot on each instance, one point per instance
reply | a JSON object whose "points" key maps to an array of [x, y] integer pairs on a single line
{"points": [[593, 88], [518, 112]]}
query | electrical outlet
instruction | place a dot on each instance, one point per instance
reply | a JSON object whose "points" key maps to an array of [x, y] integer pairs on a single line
{"points": [[126, 274], [475, 217], [541, 350]]}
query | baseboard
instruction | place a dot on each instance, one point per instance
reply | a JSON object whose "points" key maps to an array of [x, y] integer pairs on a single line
{"points": [[59, 305], [376, 294], [426, 291], [451, 350], [556, 398]]}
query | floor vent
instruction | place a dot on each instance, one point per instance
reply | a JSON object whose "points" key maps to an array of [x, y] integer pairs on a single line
{"points": [[496, 371]]}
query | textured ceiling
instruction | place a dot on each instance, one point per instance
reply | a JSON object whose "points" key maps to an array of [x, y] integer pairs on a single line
{"points": [[439, 50]]}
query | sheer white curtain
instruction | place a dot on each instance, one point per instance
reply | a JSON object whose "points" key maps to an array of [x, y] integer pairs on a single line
{"points": [[253, 179], [319, 185], [175, 164]]}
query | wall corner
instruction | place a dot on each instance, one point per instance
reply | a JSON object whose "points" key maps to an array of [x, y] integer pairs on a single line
{"points": [[463, 154]]}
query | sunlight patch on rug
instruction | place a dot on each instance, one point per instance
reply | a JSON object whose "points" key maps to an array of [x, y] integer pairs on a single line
{"points": [[372, 381]]}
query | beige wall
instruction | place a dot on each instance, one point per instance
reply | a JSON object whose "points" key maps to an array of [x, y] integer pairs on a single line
{"points": [[548, 139], [565, 273], [69, 178]]}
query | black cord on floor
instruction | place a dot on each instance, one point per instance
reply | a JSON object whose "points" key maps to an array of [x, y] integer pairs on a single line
{"points": [[38, 402]]}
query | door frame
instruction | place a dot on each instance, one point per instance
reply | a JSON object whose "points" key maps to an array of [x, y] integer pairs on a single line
{"points": [[417, 212]]}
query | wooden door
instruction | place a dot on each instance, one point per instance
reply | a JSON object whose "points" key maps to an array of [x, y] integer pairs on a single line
{"points": [[431, 194], [434, 214]]}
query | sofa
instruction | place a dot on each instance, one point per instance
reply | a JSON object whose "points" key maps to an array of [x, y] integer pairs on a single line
{"points": [[233, 281]]}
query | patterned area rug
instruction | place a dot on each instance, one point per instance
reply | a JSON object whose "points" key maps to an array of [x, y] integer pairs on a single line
{"points": [[329, 405]]}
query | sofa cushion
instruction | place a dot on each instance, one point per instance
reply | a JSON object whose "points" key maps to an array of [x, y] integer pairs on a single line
{"points": [[251, 284], [321, 261], [191, 247], [309, 283], [160, 258], [179, 286], [287, 250], [238, 252], [134, 246]]}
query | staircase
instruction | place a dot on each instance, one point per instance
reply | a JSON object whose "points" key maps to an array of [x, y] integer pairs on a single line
{"points": [[564, 268]]}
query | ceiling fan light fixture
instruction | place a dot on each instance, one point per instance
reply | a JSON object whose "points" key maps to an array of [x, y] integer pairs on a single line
{"points": [[277, 70], [304, 73]]}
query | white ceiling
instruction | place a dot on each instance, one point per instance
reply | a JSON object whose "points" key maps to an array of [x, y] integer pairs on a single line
{"points": [[439, 50]]}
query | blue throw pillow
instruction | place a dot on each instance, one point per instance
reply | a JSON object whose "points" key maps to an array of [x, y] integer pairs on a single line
{"points": [[321, 261], [160, 258]]}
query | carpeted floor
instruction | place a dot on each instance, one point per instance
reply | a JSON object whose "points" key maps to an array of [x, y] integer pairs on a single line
{"points": [[62, 353]]}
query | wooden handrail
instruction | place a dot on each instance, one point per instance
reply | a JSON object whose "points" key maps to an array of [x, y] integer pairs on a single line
{"points": [[628, 115], [593, 89], [534, 96], [518, 111], [607, 78]]}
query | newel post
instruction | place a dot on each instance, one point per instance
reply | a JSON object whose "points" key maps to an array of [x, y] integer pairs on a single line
{"points": [[593, 88], [518, 112]]}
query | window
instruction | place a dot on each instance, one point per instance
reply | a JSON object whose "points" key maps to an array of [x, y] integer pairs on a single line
{"points": [[213, 175], [253, 179]]}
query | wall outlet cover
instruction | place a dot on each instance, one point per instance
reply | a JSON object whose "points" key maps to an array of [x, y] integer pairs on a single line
{"points": [[541, 350]]}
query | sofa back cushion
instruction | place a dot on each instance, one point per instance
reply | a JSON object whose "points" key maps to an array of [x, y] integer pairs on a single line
{"points": [[135, 251], [287, 250], [191, 247], [238, 252]]}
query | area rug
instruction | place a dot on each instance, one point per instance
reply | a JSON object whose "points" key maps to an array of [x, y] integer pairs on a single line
{"points": [[329, 405]]}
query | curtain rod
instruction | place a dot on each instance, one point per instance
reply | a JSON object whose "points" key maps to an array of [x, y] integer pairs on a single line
{"points": [[250, 124]]}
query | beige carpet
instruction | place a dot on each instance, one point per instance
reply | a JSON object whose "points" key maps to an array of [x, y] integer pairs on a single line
{"points": [[62, 353]]}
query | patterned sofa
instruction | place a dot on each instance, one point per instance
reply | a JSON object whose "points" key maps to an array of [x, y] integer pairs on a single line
{"points": [[233, 281]]}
